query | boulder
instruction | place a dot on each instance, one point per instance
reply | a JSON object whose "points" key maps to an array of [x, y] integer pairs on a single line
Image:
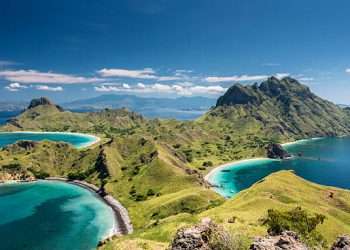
{"points": [[287, 240], [342, 243], [276, 151], [194, 238]]}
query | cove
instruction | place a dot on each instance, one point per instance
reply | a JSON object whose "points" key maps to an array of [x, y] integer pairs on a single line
{"points": [[324, 161], [52, 215], [77, 140]]}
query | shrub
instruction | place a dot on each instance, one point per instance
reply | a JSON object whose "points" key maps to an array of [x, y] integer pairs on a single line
{"points": [[207, 164], [297, 220], [150, 192]]}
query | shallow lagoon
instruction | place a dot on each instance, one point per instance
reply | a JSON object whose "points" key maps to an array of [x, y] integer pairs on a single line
{"points": [[75, 139], [51, 215], [325, 161]]}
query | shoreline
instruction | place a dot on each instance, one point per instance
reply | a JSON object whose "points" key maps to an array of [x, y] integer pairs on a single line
{"points": [[95, 138], [212, 172], [301, 141], [122, 224], [229, 164]]}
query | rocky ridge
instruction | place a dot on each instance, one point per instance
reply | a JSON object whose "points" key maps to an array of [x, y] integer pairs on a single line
{"points": [[42, 101], [287, 240]]}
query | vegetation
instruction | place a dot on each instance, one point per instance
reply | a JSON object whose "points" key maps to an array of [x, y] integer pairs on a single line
{"points": [[156, 167], [297, 220]]}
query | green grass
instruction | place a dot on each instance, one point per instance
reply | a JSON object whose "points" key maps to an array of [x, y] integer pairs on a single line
{"points": [[156, 167], [284, 191]]}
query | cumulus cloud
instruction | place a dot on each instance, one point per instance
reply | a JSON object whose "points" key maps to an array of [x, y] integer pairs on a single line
{"points": [[242, 78], [281, 75], [347, 70], [146, 73], [33, 76], [48, 88], [15, 86], [159, 88]]}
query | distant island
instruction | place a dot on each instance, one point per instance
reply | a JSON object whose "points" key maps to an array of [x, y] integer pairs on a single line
{"points": [[182, 108]]}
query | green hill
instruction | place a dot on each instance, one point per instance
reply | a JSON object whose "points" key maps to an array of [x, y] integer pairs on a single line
{"points": [[155, 167], [243, 214]]}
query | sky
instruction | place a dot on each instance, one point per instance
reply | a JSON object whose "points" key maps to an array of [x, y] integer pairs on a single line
{"points": [[69, 50]]}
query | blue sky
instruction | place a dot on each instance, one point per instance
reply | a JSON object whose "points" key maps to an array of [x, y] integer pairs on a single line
{"points": [[76, 49]]}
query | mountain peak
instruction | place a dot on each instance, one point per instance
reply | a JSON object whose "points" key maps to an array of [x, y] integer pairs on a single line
{"points": [[41, 102], [238, 94], [271, 88]]}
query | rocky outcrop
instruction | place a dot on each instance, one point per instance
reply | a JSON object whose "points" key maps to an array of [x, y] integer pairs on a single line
{"points": [[276, 151], [342, 243], [288, 240], [18, 176], [26, 145], [239, 94], [42, 101], [196, 237]]}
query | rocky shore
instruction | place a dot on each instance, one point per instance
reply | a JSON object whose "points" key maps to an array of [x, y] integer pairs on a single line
{"points": [[122, 223]]}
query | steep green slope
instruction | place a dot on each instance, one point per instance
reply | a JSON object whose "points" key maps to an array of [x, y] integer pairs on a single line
{"points": [[284, 190], [156, 167], [282, 108], [243, 214]]}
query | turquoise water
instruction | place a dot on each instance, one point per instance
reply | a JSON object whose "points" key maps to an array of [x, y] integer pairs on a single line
{"points": [[325, 161], [77, 140], [51, 215]]}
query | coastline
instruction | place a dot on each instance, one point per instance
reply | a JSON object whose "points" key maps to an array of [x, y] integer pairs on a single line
{"points": [[212, 172], [96, 139], [230, 164], [122, 224], [301, 141]]}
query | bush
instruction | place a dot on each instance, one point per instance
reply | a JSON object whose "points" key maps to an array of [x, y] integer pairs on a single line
{"points": [[207, 164], [297, 220], [223, 240]]}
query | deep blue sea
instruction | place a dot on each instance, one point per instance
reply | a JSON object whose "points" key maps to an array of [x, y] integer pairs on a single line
{"points": [[325, 161], [77, 140], [51, 215], [5, 115]]}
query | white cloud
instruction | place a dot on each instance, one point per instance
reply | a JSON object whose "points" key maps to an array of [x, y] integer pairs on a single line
{"points": [[48, 88], [242, 78], [15, 86], [159, 88], [146, 73], [281, 75], [306, 79], [141, 85], [33, 76], [347, 70], [183, 71], [126, 86]]}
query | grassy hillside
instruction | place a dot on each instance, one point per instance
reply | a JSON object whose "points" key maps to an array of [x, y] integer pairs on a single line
{"points": [[131, 168], [243, 214], [156, 167]]}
